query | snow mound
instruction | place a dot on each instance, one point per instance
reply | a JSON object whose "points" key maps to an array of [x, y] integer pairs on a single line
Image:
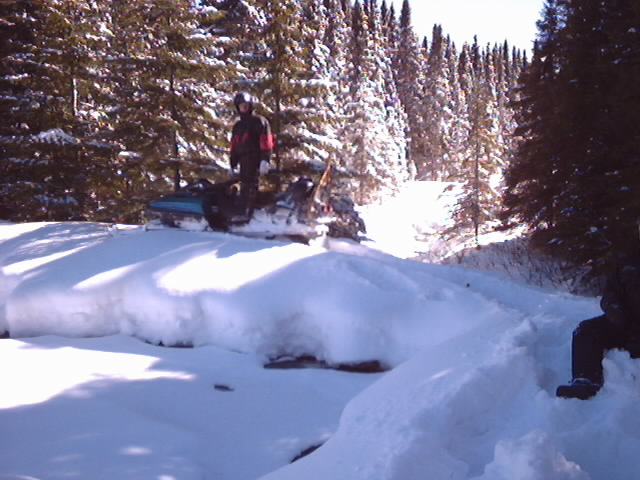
{"points": [[476, 362], [256, 296]]}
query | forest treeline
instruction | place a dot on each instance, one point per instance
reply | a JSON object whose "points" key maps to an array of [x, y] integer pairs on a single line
{"points": [[108, 103], [111, 102], [574, 179]]}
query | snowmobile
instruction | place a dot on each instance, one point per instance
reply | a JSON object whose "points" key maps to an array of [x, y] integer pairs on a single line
{"points": [[302, 212]]}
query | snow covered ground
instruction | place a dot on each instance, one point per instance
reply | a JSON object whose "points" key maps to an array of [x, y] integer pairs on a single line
{"points": [[474, 358]]}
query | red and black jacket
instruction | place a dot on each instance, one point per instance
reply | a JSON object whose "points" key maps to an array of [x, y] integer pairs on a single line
{"points": [[251, 142]]}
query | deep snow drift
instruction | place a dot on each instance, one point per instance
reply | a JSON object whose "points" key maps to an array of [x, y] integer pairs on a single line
{"points": [[475, 360]]}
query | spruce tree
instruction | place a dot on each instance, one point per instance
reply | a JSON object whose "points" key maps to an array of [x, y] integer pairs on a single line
{"points": [[435, 112], [578, 199], [162, 96], [323, 38], [394, 167], [335, 40], [535, 175], [124, 100], [54, 66], [480, 165], [20, 106], [372, 147], [455, 136], [580, 94], [618, 205], [410, 80], [288, 75]]}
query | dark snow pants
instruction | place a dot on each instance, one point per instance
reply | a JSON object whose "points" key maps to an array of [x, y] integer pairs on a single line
{"points": [[591, 339], [249, 179]]}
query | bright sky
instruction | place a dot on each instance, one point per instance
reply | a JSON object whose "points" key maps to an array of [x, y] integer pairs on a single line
{"points": [[492, 21]]}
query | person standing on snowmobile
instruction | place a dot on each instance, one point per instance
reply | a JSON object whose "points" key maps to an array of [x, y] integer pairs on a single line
{"points": [[619, 327], [251, 147]]}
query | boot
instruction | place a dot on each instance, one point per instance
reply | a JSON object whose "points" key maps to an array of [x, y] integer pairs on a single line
{"points": [[581, 388]]}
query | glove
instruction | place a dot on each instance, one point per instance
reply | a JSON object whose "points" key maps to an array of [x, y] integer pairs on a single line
{"points": [[233, 172], [264, 167]]}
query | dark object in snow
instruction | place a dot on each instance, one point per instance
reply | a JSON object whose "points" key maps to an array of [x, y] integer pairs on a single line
{"points": [[286, 362], [173, 345], [372, 366], [580, 388], [5, 334], [222, 388], [307, 451], [300, 213], [309, 361], [618, 327]]}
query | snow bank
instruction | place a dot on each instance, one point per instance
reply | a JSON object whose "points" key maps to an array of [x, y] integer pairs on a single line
{"points": [[245, 295], [481, 407], [477, 359]]}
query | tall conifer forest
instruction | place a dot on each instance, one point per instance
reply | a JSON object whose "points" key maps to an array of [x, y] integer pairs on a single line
{"points": [[109, 103], [574, 177]]}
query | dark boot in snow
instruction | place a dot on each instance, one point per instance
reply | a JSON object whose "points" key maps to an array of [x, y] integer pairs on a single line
{"points": [[581, 388]]}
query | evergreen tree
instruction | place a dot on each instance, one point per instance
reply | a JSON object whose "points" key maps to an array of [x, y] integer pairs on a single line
{"points": [[480, 168], [326, 35], [290, 79], [336, 37], [410, 80], [582, 70], [126, 182], [161, 96], [435, 112], [392, 159], [580, 99], [455, 135], [118, 101], [389, 26], [19, 105], [621, 122], [372, 148], [533, 179], [54, 67], [614, 146], [504, 84]]}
